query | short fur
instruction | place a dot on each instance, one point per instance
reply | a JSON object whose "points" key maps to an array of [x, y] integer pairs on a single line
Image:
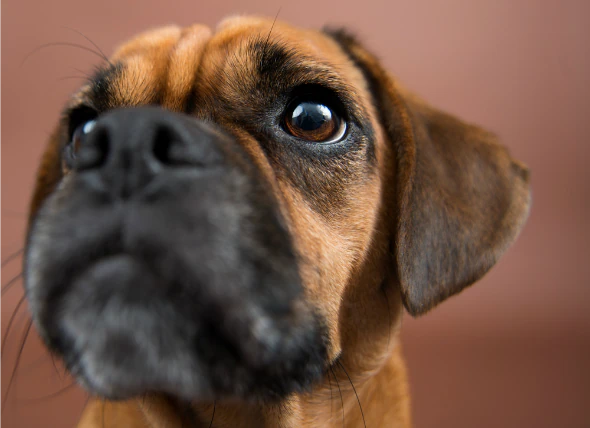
{"points": [[156, 300]]}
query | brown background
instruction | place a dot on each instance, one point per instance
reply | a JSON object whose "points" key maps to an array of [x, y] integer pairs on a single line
{"points": [[514, 350]]}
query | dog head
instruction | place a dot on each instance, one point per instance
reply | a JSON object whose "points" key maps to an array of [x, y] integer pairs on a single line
{"points": [[227, 214]]}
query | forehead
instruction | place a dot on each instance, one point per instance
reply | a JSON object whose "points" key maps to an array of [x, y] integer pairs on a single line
{"points": [[241, 58]]}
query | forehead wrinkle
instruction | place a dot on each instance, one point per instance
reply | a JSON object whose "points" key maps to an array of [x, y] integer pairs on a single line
{"points": [[184, 63], [137, 76], [165, 67], [245, 65], [124, 84], [277, 59], [137, 82]]}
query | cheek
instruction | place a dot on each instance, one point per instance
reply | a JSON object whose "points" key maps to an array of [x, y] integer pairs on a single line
{"points": [[330, 245], [40, 242], [49, 172], [332, 248]]}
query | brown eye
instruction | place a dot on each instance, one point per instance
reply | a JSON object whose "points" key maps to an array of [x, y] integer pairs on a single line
{"points": [[314, 122], [80, 132], [81, 121], [77, 138]]}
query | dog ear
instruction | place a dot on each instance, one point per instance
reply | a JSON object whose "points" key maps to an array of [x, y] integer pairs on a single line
{"points": [[461, 198]]}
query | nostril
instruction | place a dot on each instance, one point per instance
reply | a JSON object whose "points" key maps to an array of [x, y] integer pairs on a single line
{"points": [[103, 146], [167, 147], [162, 149]]}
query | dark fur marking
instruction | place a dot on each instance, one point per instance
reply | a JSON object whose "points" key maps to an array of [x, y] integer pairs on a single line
{"points": [[102, 88], [346, 41], [463, 200], [321, 172]]}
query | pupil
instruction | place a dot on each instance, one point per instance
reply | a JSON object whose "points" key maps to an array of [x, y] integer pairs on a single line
{"points": [[310, 116]]}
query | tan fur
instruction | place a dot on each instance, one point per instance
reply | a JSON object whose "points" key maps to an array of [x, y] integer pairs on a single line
{"points": [[357, 291]]}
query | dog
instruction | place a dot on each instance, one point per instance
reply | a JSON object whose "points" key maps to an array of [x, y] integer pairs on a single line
{"points": [[228, 224]]}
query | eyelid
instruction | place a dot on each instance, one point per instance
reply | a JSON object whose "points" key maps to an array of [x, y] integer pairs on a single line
{"points": [[339, 135], [319, 94]]}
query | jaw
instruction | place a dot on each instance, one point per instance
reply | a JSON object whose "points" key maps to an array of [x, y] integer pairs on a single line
{"points": [[122, 341], [332, 403], [371, 360]]}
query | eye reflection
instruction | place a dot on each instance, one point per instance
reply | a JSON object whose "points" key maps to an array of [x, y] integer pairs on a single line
{"points": [[80, 132]]}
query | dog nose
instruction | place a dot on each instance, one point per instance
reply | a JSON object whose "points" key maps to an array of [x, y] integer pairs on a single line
{"points": [[128, 148]]}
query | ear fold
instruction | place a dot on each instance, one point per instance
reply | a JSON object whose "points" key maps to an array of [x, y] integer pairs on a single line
{"points": [[461, 198]]}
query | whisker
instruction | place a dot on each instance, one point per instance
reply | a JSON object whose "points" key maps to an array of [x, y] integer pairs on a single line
{"points": [[71, 77], [104, 405], [93, 44], [10, 321], [10, 283], [82, 72], [213, 415], [354, 389], [84, 407], [43, 359], [331, 396], [265, 46], [53, 44], [340, 391], [388, 317], [12, 257], [17, 363], [50, 396], [59, 374]]}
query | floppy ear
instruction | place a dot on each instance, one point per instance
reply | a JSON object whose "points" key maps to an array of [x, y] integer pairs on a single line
{"points": [[461, 198]]}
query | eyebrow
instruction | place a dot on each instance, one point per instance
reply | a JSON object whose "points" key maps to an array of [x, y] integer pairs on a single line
{"points": [[280, 66], [102, 85]]}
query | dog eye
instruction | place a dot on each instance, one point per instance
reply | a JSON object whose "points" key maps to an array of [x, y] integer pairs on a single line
{"points": [[314, 122], [80, 132], [81, 121]]}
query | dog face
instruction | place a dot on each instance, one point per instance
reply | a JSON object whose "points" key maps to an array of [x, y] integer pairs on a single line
{"points": [[229, 214]]}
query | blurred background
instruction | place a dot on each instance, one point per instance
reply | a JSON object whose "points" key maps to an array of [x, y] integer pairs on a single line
{"points": [[513, 350]]}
